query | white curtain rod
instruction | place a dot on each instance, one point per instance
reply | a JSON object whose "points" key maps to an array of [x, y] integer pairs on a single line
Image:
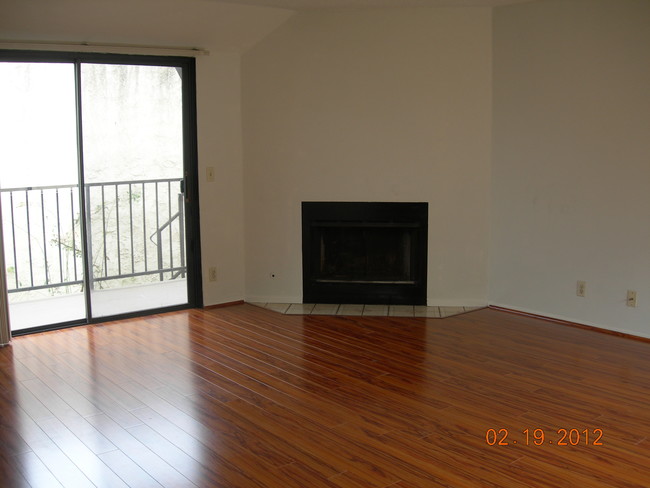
{"points": [[95, 47]]}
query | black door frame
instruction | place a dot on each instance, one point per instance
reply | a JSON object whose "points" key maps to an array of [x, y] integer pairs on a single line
{"points": [[187, 65]]}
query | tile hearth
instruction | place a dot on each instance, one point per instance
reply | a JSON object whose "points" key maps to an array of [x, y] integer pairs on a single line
{"points": [[365, 310]]}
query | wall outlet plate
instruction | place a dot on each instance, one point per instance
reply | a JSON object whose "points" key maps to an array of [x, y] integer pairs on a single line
{"points": [[581, 288], [631, 298]]}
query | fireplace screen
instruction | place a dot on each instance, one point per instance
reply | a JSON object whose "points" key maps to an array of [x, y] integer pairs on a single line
{"points": [[364, 252], [368, 254]]}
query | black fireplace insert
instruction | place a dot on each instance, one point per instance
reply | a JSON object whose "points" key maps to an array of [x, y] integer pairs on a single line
{"points": [[364, 252]]}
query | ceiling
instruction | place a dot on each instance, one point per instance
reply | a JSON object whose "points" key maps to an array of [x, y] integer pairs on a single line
{"points": [[356, 4]]}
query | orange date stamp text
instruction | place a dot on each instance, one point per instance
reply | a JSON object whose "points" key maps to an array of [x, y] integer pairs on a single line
{"points": [[539, 437]]}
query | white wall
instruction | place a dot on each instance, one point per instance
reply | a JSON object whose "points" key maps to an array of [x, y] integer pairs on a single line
{"points": [[223, 29], [571, 160], [221, 201], [206, 24], [379, 105]]}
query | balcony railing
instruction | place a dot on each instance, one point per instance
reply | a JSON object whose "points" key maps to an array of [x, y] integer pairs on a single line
{"points": [[135, 233]]}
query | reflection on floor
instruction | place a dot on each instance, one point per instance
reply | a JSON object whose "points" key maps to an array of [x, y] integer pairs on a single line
{"points": [[365, 310], [67, 308], [243, 397]]}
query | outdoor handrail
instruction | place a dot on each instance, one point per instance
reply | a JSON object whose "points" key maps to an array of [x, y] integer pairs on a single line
{"points": [[47, 231]]}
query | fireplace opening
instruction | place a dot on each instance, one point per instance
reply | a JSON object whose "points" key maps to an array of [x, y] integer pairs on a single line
{"points": [[372, 253], [364, 252]]}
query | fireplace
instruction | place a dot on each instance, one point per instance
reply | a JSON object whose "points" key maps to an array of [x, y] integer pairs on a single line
{"points": [[364, 252]]}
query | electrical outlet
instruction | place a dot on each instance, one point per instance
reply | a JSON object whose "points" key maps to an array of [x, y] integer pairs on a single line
{"points": [[581, 288], [212, 274], [631, 298], [209, 174]]}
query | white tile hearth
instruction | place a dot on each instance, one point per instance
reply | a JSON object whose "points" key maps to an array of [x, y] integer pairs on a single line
{"points": [[278, 307], [375, 310], [349, 309], [325, 309], [423, 311], [300, 309], [365, 310], [400, 311]]}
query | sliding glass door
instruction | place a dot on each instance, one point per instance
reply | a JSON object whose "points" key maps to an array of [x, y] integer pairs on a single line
{"points": [[133, 173], [40, 194], [98, 187]]}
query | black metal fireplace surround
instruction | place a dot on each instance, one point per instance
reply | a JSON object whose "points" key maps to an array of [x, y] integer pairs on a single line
{"points": [[365, 252]]}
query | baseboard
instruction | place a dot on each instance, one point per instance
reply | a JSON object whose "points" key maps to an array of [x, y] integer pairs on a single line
{"points": [[224, 305], [273, 299], [456, 303], [569, 323]]}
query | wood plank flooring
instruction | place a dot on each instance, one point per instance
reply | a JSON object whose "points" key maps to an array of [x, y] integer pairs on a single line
{"points": [[245, 397]]}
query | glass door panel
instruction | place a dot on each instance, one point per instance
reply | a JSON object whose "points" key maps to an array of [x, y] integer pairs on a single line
{"points": [[132, 117], [40, 194]]}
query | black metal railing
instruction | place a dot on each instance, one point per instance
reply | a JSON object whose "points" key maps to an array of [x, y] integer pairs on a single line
{"points": [[135, 231]]}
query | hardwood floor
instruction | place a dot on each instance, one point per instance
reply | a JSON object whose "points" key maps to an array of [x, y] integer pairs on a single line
{"points": [[245, 397]]}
